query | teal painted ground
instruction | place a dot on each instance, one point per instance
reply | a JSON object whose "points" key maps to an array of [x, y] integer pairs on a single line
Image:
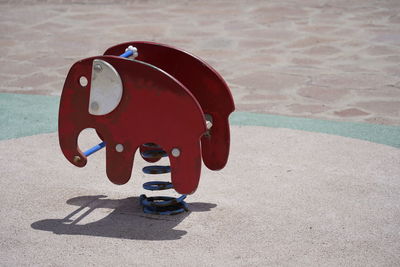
{"points": [[25, 115], [381, 134]]}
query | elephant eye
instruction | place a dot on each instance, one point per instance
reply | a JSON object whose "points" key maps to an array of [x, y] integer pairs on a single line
{"points": [[83, 81]]}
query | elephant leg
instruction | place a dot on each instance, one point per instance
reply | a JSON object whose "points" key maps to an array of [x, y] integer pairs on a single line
{"points": [[185, 166], [215, 146], [119, 162]]}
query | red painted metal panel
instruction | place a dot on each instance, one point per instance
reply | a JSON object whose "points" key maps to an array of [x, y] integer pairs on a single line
{"points": [[166, 94], [207, 86], [155, 107]]}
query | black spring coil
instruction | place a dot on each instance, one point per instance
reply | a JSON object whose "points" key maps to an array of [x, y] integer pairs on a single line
{"points": [[160, 205]]}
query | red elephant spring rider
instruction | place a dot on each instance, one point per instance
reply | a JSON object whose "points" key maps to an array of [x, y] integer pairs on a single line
{"points": [[162, 100]]}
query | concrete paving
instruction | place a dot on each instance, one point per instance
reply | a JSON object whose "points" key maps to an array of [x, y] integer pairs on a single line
{"points": [[287, 197]]}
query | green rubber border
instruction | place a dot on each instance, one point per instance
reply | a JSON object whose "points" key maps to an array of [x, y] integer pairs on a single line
{"points": [[25, 115], [381, 134]]}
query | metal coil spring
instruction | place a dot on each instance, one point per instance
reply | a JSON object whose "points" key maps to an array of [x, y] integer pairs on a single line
{"points": [[161, 205]]}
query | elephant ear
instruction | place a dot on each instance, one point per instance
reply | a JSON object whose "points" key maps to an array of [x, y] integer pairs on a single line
{"points": [[207, 86]]}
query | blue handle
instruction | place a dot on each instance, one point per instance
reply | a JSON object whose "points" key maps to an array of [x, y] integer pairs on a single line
{"points": [[127, 54], [94, 149]]}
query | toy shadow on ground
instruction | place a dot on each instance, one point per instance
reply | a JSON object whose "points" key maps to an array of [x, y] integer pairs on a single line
{"points": [[126, 221]]}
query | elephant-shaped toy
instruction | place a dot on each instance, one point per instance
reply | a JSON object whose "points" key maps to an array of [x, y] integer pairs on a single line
{"points": [[162, 95]]}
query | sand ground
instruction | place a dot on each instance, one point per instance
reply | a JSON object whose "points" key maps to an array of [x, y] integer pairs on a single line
{"points": [[335, 60]]}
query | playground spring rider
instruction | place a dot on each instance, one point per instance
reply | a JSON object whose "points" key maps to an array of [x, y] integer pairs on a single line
{"points": [[162, 100]]}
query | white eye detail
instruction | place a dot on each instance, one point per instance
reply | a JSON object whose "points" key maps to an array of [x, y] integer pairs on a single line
{"points": [[83, 81]]}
